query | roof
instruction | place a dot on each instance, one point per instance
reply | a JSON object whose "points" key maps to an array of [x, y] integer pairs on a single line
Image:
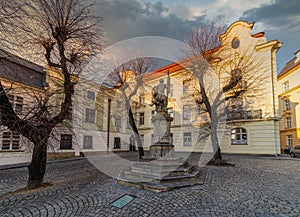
{"points": [[290, 65], [174, 67], [19, 70], [16, 59]]}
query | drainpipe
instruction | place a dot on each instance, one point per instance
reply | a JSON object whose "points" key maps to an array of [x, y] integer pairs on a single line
{"points": [[108, 123]]}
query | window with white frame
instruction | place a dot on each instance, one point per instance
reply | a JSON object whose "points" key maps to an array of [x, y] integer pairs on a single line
{"points": [[289, 140], [288, 122], [66, 141], [90, 95], [10, 140], [238, 136], [286, 86], [186, 112], [287, 105], [118, 121], [187, 139], [87, 142], [142, 118], [90, 115], [16, 102]]}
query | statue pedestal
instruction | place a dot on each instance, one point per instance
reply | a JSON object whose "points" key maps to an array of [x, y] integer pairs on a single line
{"points": [[161, 171], [162, 143]]}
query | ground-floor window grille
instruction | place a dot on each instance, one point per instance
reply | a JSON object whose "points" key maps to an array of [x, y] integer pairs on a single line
{"points": [[10, 140]]}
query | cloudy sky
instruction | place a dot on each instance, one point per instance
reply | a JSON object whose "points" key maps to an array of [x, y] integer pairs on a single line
{"points": [[279, 19]]}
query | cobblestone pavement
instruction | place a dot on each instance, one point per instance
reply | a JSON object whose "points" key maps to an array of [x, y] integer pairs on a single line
{"points": [[254, 187]]}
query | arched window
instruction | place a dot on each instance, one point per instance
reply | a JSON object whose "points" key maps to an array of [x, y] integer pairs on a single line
{"points": [[238, 136]]}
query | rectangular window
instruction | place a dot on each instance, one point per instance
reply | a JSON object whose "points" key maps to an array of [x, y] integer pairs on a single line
{"points": [[142, 118], [286, 86], [287, 105], [289, 140], [10, 141], [19, 104], [185, 87], [187, 139], [288, 122], [186, 112], [16, 102], [238, 136], [90, 115], [118, 121], [66, 141], [87, 142], [90, 95]]}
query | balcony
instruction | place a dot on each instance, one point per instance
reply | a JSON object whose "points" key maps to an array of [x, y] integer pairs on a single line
{"points": [[244, 115]]}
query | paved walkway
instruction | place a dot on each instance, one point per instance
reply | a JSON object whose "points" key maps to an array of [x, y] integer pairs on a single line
{"points": [[254, 187]]}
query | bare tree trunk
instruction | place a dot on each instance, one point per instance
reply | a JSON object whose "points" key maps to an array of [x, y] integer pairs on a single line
{"points": [[37, 167], [215, 143], [136, 133]]}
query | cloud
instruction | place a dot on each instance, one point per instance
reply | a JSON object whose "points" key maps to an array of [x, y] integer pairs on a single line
{"points": [[132, 18], [124, 19], [279, 14], [280, 19]]}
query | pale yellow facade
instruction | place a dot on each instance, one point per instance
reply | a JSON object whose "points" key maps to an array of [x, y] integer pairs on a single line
{"points": [[289, 103], [261, 131]]}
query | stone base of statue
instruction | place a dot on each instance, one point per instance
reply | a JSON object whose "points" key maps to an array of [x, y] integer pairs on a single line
{"points": [[162, 141], [161, 170]]}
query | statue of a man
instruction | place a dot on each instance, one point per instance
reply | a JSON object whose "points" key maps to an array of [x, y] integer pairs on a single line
{"points": [[159, 97]]}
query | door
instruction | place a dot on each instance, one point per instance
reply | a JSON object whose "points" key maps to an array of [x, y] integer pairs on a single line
{"points": [[117, 143]]}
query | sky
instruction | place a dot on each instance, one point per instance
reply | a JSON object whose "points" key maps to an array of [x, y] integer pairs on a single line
{"points": [[279, 19]]}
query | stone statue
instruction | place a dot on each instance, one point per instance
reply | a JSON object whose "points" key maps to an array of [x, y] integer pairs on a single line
{"points": [[160, 97]]}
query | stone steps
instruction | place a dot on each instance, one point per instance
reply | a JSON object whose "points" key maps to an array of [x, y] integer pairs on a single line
{"points": [[162, 171], [165, 186]]}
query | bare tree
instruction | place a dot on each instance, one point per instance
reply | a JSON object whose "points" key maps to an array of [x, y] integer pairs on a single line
{"points": [[128, 78], [66, 33], [221, 76]]}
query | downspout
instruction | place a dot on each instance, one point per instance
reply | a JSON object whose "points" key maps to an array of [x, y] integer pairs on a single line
{"points": [[108, 123]]}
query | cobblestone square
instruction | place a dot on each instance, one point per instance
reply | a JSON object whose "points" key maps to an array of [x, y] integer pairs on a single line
{"points": [[255, 186]]}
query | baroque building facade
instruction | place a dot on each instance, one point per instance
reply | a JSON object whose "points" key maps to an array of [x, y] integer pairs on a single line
{"points": [[252, 122], [99, 120], [289, 98]]}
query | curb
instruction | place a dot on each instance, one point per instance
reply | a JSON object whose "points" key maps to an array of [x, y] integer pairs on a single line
{"points": [[21, 165]]}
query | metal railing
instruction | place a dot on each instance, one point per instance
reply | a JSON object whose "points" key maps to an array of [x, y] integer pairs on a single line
{"points": [[244, 115]]}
